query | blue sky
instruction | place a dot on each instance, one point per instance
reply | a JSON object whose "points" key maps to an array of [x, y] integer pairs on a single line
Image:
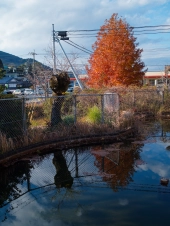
{"points": [[27, 26]]}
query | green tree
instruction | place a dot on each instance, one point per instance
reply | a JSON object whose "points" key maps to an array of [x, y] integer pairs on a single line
{"points": [[1, 64], [2, 73]]}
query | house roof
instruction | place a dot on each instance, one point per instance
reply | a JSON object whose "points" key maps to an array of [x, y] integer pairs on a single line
{"points": [[5, 80], [11, 80]]}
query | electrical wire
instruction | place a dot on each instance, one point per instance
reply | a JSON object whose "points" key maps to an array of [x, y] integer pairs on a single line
{"points": [[77, 47], [91, 30], [81, 46]]}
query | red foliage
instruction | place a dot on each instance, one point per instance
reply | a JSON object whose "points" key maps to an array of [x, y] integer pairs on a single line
{"points": [[116, 58]]}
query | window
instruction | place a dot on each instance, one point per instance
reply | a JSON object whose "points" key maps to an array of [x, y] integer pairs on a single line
{"points": [[152, 82], [12, 85], [159, 81]]}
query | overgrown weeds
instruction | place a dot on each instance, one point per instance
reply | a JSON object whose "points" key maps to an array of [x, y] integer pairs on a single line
{"points": [[81, 116], [62, 131], [6, 143], [94, 115]]}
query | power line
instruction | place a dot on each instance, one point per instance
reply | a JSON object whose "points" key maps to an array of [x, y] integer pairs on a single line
{"points": [[77, 47], [160, 31], [81, 46], [91, 30]]}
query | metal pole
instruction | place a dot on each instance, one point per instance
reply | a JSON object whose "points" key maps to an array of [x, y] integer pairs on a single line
{"points": [[70, 64], [24, 116], [34, 70], [75, 108], [102, 108], [33, 54], [54, 56]]}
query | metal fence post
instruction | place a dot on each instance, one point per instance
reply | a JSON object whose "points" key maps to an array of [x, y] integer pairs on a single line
{"points": [[163, 95], [24, 115], [102, 108], [75, 108]]}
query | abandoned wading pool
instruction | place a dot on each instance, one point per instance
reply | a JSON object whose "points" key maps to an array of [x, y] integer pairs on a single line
{"points": [[85, 159]]}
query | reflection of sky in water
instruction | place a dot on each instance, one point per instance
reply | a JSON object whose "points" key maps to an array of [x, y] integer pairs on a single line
{"points": [[157, 161], [91, 201], [92, 207]]}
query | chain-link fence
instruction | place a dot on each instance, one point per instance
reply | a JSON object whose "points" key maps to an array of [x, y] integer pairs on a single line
{"points": [[12, 116], [144, 101], [19, 114]]}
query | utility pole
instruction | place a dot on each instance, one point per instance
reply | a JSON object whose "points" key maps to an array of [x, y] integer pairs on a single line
{"points": [[54, 56], [63, 35], [33, 55]]}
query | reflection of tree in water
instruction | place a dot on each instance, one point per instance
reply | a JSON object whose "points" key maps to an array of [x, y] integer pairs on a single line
{"points": [[63, 177], [10, 178], [120, 174]]}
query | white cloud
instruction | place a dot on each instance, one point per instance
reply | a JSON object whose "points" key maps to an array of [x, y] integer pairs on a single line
{"points": [[27, 25], [135, 3], [123, 202]]}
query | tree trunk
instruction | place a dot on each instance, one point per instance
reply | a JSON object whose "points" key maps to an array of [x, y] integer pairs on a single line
{"points": [[56, 111]]}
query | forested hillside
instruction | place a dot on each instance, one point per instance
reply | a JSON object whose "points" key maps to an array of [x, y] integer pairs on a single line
{"points": [[9, 59]]}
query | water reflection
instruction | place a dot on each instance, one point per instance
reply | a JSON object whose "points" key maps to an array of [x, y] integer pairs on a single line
{"points": [[10, 180], [117, 166], [94, 185], [63, 176], [113, 164]]}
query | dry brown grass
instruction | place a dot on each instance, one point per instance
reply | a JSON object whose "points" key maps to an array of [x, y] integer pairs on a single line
{"points": [[6, 144], [38, 134]]}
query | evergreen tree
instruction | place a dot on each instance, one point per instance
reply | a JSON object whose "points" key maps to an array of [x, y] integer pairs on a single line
{"points": [[2, 71]]}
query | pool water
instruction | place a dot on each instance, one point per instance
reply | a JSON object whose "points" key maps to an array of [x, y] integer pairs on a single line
{"points": [[116, 184]]}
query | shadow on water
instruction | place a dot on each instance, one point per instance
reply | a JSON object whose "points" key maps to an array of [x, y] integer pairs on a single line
{"points": [[77, 182]]}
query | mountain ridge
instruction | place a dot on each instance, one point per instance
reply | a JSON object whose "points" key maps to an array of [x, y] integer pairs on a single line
{"points": [[10, 59]]}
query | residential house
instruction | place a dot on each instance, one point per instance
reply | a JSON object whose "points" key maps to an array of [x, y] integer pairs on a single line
{"points": [[15, 78], [14, 83]]}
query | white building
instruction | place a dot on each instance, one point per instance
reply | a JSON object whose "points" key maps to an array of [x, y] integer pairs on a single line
{"points": [[154, 78]]}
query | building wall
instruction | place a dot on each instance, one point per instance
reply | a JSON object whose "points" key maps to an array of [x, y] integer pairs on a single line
{"points": [[155, 78]]}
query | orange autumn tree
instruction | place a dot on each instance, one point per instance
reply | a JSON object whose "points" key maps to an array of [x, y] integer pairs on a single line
{"points": [[116, 58]]}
